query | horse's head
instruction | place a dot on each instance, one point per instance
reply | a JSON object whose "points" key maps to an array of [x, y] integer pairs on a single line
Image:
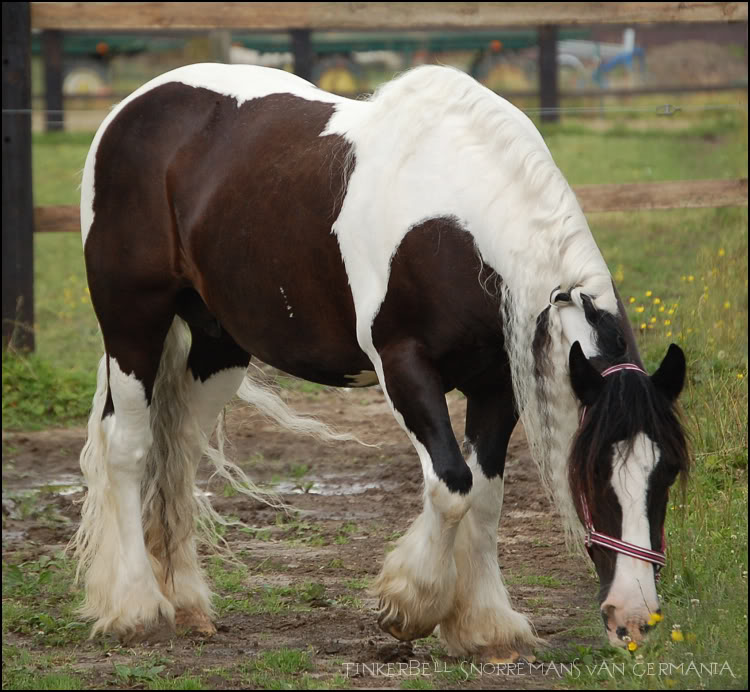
{"points": [[629, 449]]}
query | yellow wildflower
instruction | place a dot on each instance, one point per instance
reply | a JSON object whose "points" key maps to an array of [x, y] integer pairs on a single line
{"points": [[740, 376], [667, 322], [632, 299], [669, 333], [648, 294], [643, 325], [677, 635], [670, 312], [657, 617], [662, 309], [657, 301], [727, 305], [653, 319], [722, 252], [632, 646], [691, 278], [640, 309]]}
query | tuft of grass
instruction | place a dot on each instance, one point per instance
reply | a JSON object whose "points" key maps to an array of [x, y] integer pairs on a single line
{"points": [[24, 671], [533, 580], [417, 683], [38, 394], [183, 682], [284, 669], [40, 601]]}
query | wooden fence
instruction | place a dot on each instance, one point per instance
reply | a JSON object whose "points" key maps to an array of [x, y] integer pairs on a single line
{"points": [[372, 16], [20, 219]]}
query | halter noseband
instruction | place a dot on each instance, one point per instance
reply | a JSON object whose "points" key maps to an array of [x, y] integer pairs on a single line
{"points": [[594, 537]]}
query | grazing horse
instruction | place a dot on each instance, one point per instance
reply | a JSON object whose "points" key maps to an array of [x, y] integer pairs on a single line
{"points": [[422, 239]]}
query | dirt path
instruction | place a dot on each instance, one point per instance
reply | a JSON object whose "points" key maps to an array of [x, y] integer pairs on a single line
{"points": [[305, 583]]}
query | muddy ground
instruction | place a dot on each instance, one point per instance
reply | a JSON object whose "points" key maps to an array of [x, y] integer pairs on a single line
{"points": [[352, 503]]}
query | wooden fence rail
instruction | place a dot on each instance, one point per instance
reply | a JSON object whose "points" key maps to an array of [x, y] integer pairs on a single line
{"points": [[371, 16], [681, 194]]}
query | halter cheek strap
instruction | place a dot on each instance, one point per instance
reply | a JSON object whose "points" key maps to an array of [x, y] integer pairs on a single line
{"points": [[594, 537]]}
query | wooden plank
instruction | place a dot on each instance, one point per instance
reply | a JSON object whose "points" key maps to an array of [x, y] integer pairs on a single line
{"points": [[18, 238], [302, 50], [548, 92], [680, 194], [52, 48], [280, 16], [57, 218]]}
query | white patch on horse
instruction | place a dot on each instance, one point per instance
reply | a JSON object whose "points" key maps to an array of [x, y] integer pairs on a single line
{"points": [[122, 591], [365, 378], [209, 397], [633, 587], [416, 586], [482, 615], [286, 301]]}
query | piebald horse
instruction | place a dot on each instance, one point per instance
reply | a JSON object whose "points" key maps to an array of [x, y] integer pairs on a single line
{"points": [[423, 239]]}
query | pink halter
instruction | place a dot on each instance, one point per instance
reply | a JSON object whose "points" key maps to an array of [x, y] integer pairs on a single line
{"points": [[594, 537]]}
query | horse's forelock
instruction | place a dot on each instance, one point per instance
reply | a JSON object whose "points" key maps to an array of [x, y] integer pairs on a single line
{"points": [[628, 405]]}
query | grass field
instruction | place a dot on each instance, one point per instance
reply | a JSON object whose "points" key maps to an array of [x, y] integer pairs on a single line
{"points": [[683, 276]]}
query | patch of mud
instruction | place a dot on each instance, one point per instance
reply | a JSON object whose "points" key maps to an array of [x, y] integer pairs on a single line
{"points": [[351, 503]]}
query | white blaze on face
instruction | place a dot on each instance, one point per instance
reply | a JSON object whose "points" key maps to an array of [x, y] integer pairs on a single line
{"points": [[632, 595]]}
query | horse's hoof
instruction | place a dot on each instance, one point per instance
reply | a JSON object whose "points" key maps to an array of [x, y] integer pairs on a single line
{"points": [[408, 636], [392, 624], [159, 632], [194, 621], [513, 657]]}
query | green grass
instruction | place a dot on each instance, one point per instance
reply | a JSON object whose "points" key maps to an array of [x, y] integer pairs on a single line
{"points": [[22, 671], [38, 395], [717, 149], [285, 669], [40, 601], [543, 580]]}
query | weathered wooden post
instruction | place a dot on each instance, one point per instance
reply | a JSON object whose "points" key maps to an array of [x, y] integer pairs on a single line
{"points": [[52, 49], [548, 93], [18, 205], [303, 53]]}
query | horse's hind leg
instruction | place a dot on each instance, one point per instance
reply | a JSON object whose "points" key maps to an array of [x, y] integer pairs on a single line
{"points": [[416, 586], [122, 594], [482, 621], [215, 369]]}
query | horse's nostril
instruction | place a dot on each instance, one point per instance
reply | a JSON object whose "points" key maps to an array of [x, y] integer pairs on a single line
{"points": [[607, 612]]}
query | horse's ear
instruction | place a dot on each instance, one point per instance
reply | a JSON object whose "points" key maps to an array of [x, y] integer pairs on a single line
{"points": [[670, 377], [587, 383]]}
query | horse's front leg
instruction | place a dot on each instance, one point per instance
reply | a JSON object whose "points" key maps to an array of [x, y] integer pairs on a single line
{"points": [[417, 584], [482, 621]]}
